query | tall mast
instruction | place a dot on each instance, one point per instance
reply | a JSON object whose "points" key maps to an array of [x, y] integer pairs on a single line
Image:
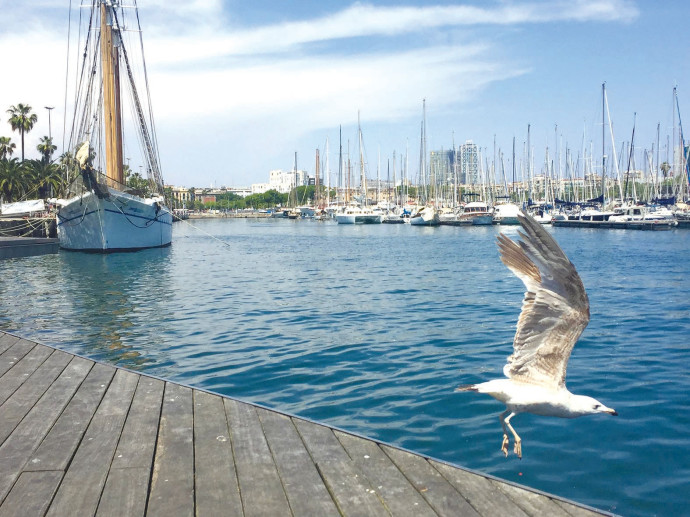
{"points": [[110, 41], [603, 142]]}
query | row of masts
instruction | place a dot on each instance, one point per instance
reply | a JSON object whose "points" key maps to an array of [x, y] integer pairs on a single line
{"points": [[574, 180]]}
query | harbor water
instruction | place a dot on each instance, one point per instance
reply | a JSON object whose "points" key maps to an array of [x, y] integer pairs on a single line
{"points": [[371, 328]]}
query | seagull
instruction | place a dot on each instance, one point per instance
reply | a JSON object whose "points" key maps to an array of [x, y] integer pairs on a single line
{"points": [[554, 313]]}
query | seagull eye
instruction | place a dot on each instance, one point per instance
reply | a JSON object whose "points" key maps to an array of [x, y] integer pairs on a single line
{"points": [[597, 406]]}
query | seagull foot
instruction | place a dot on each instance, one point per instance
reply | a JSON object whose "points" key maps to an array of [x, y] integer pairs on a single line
{"points": [[518, 448], [504, 445]]}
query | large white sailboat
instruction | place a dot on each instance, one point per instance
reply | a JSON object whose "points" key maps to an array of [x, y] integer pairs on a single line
{"points": [[102, 214]]}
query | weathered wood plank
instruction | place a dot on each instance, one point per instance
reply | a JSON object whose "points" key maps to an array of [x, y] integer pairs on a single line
{"points": [[58, 447], [31, 390], [84, 480], [305, 490], [438, 492], [530, 502], [13, 354], [20, 445], [6, 341], [400, 497], [260, 485], [125, 493], [574, 510], [483, 495], [172, 483], [215, 481], [126, 488], [352, 491], [21, 371], [138, 441], [31, 494]]}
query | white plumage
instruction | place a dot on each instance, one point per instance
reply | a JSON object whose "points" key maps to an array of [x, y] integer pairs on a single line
{"points": [[555, 311]]}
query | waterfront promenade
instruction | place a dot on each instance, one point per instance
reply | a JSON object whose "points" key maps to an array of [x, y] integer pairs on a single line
{"points": [[79, 437]]}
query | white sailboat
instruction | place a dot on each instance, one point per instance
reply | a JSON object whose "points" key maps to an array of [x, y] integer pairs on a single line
{"points": [[103, 214]]}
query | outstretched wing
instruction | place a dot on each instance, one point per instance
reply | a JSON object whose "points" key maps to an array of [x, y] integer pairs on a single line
{"points": [[555, 310]]}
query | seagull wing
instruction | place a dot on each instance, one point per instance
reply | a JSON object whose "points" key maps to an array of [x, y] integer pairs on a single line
{"points": [[555, 309]]}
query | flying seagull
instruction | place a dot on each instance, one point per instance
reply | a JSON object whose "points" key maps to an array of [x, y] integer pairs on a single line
{"points": [[555, 311]]}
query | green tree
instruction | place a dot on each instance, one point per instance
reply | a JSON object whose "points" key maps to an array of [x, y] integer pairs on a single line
{"points": [[46, 148], [13, 179], [45, 178], [7, 147], [22, 120], [139, 183]]}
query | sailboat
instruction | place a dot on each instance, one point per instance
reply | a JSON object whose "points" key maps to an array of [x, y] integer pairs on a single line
{"points": [[102, 214]]}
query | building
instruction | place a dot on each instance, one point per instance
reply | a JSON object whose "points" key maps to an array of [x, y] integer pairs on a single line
{"points": [[441, 168], [284, 181], [469, 163]]}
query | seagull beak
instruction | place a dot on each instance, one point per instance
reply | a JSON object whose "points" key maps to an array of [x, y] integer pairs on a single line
{"points": [[611, 411]]}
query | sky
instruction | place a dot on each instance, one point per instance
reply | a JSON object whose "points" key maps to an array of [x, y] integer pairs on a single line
{"points": [[239, 87]]}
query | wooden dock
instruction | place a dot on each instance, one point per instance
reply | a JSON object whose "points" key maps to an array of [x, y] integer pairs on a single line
{"points": [[83, 438], [16, 247]]}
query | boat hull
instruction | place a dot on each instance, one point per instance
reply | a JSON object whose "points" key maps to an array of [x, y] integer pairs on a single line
{"points": [[119, 222]]}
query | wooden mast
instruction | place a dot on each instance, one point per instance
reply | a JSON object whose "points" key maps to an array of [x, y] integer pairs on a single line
{"points": [[111, 98]]}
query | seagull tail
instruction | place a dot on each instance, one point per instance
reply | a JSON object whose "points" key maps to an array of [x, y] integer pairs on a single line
{"points": [[467, 387]]}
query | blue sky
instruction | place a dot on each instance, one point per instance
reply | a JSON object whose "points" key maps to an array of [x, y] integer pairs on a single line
{"points": [[239, 86]]}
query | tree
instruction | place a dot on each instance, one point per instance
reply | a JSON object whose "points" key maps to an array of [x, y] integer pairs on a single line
{"points": [[44, 177], [46, 148], [665, 167], [13, 179], [22, 120], [7, 147], [139, 183]]}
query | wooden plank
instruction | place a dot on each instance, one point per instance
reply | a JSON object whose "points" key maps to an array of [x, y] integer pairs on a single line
{"points": [[58, 447], [531, 503], [21, 371], [31, 494], [260, 485], [399, 496], [126, 488], [138, 442], [6, 341], [13, 354], [125, 493], [84, 480], [172, 482], [483, 495], [31, 390], [352, 491], [215, 481], [574, 510], [305, 490], [20, 445], [438, 492]]}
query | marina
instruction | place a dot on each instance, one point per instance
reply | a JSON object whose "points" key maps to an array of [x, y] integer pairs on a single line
{"points": [[370, 328], [85, 438]]}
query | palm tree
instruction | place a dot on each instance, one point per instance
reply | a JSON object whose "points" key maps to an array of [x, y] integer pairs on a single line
{"points": [[22, 120], [46, 148], [7, 147], [46, 178], [13, 179]]}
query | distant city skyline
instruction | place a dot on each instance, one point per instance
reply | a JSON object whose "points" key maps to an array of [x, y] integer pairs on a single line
{"points": [[239, 87]]}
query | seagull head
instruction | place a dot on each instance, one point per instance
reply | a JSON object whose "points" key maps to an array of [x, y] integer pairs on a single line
{"points": [[589, 406]]}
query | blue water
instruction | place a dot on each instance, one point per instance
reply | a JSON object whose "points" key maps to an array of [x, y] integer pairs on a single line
{"points": [[370, 328]]}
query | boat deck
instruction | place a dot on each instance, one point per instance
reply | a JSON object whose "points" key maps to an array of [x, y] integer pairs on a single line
{"points": [[78, 437]]}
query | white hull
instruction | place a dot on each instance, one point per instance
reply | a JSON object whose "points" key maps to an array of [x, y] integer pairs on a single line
{"points": [[118, 223], [427, 216]]}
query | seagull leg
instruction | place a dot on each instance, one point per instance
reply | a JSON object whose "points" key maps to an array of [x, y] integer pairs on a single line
{"points": [[518, 440], [506, 441]]}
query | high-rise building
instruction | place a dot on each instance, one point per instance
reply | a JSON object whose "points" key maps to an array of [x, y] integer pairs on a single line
{"points": [[441, 167], [469, 163]]}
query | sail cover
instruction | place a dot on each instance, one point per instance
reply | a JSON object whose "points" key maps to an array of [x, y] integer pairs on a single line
{"points": [[23, 207]]}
